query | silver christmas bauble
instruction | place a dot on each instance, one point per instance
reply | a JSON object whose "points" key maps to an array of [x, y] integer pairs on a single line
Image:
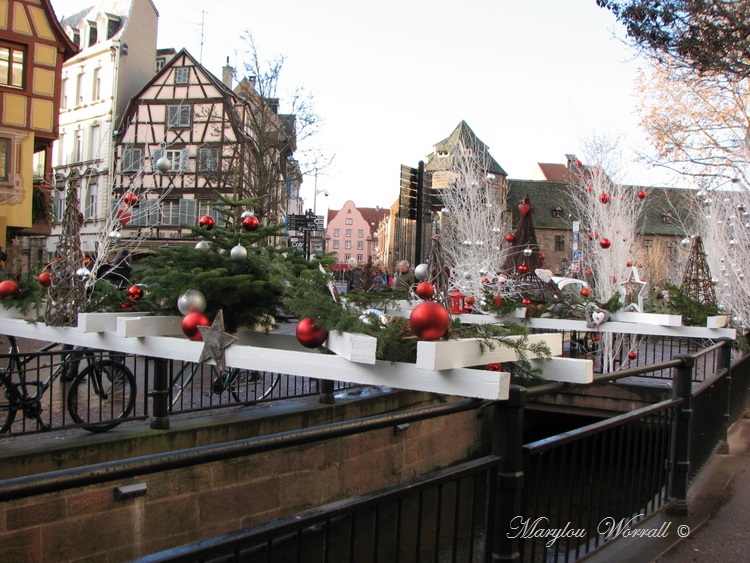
{"points": [[115, 236], [238, 253], [368, 315], [83, 274], [163, 165], [421, 271], [192, 301], [202, 245], [246, 214]]}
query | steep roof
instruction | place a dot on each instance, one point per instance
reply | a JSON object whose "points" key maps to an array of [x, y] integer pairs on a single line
{"points": [[442, 157], [373, 215]]}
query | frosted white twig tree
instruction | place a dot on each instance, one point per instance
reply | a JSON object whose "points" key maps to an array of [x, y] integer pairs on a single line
{"points": [[473, 222]]}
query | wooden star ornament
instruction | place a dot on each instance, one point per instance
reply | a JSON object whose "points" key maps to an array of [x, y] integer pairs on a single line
{"points": [[633, 292], [215, 341]]}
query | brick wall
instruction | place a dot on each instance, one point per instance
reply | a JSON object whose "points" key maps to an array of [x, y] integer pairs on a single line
{"points": [[202, 501]]}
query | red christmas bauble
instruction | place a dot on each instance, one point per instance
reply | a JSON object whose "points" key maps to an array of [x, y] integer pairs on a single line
{"points": [[191, 322], [123, 215], [588, 272], [632, 355], [596, 338], [589, 188], [207, 222], [135, 293], [604, 198], [250, 223], [509, 238], [629, 264], [45, 279], [526, 301], [593, 235], [498, 301], [425, 290], [524, 209], [605, 243], [9, 288], [522, 269], [642, 194], [585, 292], [578, 163], [309, 335], [429, 321], [130, 199], [542, 255], [470, 301]]}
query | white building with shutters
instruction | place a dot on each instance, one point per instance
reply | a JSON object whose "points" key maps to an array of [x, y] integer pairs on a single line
{"points": [[200, 130], [118, 56]]}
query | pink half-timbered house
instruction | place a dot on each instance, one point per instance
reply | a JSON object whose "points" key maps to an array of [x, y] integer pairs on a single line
{"points": [[207, 139]]}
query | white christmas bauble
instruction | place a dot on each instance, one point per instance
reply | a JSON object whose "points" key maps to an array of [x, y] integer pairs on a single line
{"points": [[238, 253], [83, 274], [192, 301], [163, 165], [203, 245], [421, 271], [115, 235]]}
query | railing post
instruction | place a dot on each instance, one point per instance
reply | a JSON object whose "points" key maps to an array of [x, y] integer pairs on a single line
{"points": [[725, 363], [326, 392], [507, 442], [682, 388], [160, 394]]}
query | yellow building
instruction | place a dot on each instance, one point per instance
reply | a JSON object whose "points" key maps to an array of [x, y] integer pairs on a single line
{"points": [[33, 47]]}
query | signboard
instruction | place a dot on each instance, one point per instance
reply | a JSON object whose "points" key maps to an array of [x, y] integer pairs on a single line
{"points": [[575, 266], [577, 255]]}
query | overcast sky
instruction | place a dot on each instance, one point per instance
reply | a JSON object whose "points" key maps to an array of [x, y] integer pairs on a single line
{"points": [[392, 78]]}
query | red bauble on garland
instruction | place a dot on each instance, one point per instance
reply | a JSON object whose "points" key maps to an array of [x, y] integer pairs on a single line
{"points": [[605, 243], [585, 292], [642, 194], [135, 293], [588, 272], [9, 288], [429, 321], [190, 324], [250, 223], [207, 222], [309, 335], [425, 290], [604, 198], [632, 355], [45, 279], [509, 238], [130, 198]]}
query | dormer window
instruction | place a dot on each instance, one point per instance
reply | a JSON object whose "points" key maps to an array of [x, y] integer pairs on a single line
{"points": [[113, 24], [93, 34], [667, 218], [558, 212], [181, 75]]}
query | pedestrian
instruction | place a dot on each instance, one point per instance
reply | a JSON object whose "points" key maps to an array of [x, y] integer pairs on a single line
{"points": [[354, 273], [379, 275], [404, 276]]}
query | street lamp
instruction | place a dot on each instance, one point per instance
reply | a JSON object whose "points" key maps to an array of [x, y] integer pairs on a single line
{"points": [[317, 191]]}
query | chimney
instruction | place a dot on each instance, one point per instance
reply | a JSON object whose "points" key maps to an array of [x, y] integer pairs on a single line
{"points": [[227, 74]]}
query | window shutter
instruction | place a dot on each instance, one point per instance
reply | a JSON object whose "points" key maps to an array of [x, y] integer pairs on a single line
{"points": [[184, 156], [188, 212], [155, 156]]}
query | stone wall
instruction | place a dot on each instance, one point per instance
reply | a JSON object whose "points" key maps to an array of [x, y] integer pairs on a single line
{"points": [[201, 501]]}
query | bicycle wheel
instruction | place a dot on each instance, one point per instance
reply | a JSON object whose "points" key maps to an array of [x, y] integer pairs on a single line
{"points": [[181, 381], [102, 395], [249, 386], [7, 405]]}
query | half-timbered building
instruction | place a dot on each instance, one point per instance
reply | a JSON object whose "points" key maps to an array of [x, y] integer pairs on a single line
{"points": [[187, 136]]}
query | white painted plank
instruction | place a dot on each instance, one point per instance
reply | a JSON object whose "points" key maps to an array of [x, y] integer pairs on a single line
{"points": [[718, 321], [566, 370], [132, 327], [103, 322], [647, 318], [360, 348], [468, 352]]}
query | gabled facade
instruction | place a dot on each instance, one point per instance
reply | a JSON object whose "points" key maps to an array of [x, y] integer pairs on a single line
{"points": [[202, 134], [352, 232], [117, 57], [33, 48]]}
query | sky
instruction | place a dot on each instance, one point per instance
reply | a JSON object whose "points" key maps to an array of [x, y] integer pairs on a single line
{"points": [[534, 79]]}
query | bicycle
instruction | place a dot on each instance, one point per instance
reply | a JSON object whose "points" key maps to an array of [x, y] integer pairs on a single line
{"points": [[99, 397], [245, 386]]}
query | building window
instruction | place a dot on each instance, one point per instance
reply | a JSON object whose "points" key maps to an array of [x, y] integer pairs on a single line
{"points": [[90, 199], [76, 38], [178, 159], [348, 232], [93, 35], [170, 212], [78, 155], [64, 90], [5, 160], [59, 205], [349, 221], [348, 244], [360, 245], [360, 233], [181, 75], [208, 160], [39, 165], [336, 232], [648, 243], [188, 209], [145, 214], [12, 61], [95, 140], [557, 212], [96, 92], [360, 258], [132, 160], [113, 24], [79, 89], [178, 116], [335, 244], [559, 243], [347, 257]]}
